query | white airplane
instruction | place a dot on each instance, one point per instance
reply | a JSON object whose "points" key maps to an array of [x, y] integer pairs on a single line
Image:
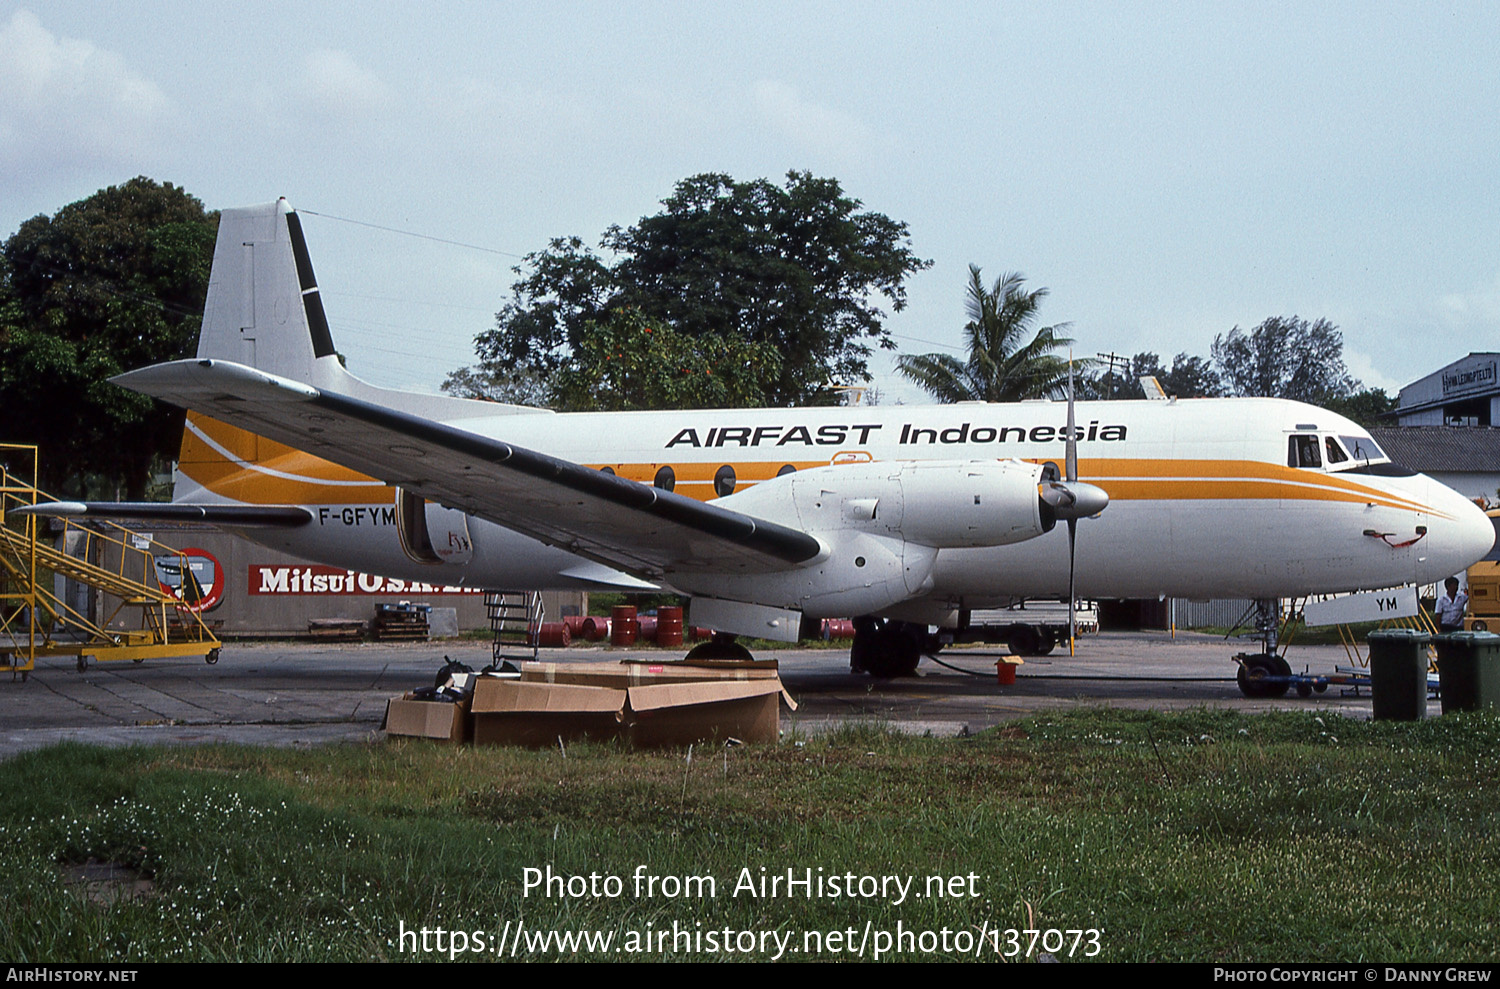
{"points": [[908, 517]]}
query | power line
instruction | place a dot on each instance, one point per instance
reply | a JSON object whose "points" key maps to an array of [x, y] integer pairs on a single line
{"points": [[412, 233]]}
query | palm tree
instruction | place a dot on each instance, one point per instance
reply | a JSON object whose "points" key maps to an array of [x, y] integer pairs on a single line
{"points": [[1003, 365]]}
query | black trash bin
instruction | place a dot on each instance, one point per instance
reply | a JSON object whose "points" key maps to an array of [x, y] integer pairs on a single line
{"points": [[1469, 669], [1398, 673]]}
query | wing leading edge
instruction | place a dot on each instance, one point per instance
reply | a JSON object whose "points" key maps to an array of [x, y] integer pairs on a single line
{"points": [[640, 529]]}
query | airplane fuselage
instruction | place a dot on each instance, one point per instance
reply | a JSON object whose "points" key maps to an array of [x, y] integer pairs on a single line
{"points": [[1203, 499]]}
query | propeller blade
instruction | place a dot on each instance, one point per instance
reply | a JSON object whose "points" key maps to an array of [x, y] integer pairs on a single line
{"points": [[1071, 473], [1072, 589]]}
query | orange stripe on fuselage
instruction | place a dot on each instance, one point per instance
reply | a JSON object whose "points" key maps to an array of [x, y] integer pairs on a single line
{"points": [[254, 470]]}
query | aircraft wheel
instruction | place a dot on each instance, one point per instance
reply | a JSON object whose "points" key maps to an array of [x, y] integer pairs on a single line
{"points": [[717, 648], [1024, 640], [1254, 670], [862, 649], [889, 649]]}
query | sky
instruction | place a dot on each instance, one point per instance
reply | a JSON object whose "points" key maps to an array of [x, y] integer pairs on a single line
{"points": [[1167, 171]]}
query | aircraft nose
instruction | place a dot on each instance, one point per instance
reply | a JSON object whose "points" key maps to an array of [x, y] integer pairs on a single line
{"points": [[1464, 540], [1476, 533]]}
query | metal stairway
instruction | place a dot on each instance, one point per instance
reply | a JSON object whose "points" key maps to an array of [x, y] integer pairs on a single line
{"points": [[35, 621], [516, 621]]}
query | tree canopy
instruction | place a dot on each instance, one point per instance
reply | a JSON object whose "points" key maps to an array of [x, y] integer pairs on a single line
{"points": [[1285, 357], [625, 363], [109, 283], [1188, 377], [799, 268], [1009, 359]]}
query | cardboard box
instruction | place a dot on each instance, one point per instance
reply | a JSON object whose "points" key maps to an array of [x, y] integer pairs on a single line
{"points": [[512, 712], [714, 711], [441, 720], [646, 704]]}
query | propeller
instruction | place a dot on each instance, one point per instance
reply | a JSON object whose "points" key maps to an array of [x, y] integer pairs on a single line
{"points": [[1072, 499]]}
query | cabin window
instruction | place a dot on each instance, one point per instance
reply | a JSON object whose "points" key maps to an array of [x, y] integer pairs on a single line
{"points": [[1302, 451], [666, 478], [724, 481]]}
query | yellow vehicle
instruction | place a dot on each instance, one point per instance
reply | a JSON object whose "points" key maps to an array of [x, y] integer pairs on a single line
{"points": [[1484, 587]]}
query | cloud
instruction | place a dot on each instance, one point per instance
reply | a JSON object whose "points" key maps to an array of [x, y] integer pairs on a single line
{"points": [[1362, 366], [1479, 307], [66, 103], [812, 125], [334, 84]]}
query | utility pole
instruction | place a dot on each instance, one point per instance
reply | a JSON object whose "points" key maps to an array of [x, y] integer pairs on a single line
{"points": [[1114, 360]]}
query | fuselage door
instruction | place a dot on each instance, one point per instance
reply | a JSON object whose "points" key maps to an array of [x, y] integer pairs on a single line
{"points": [[431, 533]]}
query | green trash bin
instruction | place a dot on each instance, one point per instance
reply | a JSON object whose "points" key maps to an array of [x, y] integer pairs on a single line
{"points": [[1398, 673], [1469, 669]]}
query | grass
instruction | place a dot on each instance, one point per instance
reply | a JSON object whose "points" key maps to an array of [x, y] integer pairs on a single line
{"points": [[1201, 836]]}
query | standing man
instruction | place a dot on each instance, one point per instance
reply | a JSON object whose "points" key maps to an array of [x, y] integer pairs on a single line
{"points": [[1451, 607]]}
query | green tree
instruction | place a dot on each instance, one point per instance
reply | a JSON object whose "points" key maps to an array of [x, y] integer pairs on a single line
{"points": [[799, 268], [1008, 360], [112, 282], [1368, 407], [1285, 357], [624, 362]]}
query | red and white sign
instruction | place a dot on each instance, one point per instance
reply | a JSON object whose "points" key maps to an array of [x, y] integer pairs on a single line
{"points": [[194, 576], [312, 579]]}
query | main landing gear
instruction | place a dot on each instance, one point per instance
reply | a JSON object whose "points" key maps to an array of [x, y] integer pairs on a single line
{"points": [[884, 648]]}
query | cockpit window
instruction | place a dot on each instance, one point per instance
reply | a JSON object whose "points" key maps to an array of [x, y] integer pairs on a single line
{"points": [[1363, 448], [1302, 451], [1336, 454]]}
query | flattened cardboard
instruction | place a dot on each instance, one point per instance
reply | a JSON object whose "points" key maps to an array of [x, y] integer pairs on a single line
{"points": [[440, 720], [623, 675]]}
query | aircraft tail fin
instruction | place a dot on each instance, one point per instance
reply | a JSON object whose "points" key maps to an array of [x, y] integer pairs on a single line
{"points": [[264, 311], [263, 308]]}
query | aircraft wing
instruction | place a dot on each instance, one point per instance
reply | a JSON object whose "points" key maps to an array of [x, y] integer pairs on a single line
{"points": [[640, 529]]}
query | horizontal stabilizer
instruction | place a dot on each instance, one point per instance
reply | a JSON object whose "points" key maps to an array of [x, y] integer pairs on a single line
{"points": [[230, 516]]}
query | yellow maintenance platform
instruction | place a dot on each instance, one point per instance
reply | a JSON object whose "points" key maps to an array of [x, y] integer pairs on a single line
{"points": [[136, 618]]}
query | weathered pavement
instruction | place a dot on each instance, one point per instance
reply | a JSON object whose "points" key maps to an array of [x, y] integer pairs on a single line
{"points": [[309, 694]]}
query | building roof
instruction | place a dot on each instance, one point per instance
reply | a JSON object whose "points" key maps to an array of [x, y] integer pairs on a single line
{"points": [[1441, 449]]}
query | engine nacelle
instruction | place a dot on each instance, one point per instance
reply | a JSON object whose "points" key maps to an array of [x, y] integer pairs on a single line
{"points": [[883, 525], [948, 504], [973, 503]]}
